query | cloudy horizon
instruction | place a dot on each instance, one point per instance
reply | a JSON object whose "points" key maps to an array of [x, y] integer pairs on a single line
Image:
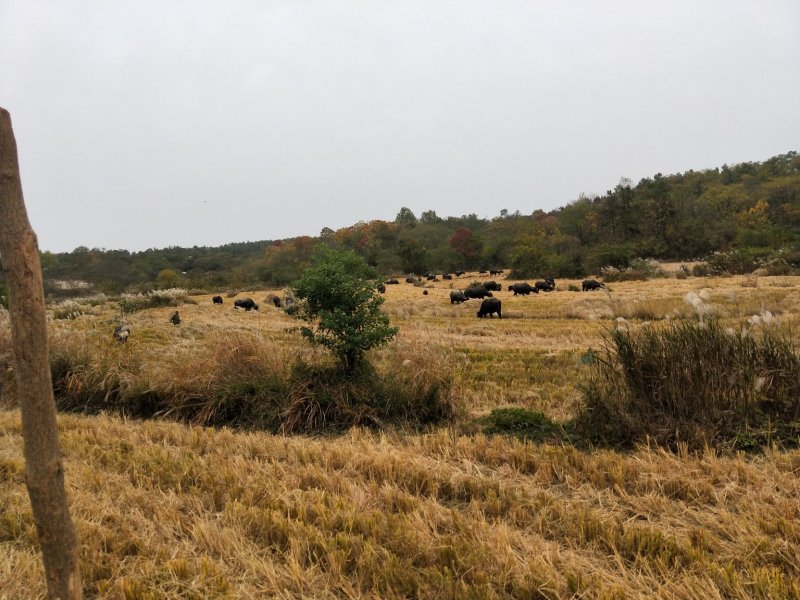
{"points": [[146, 125]]}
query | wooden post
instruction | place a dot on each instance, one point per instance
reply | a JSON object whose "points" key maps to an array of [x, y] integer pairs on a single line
{"points": [[44, 470]]}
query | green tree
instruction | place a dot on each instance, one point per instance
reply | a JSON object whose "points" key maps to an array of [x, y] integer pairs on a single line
{"points": [[406, 217], [167, 278], [339, 300]]}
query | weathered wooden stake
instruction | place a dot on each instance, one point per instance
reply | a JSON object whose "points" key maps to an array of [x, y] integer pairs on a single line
{"points": [[44, 470]]}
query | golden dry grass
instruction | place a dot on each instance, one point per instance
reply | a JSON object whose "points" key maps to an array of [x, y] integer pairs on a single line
{"points": [[166, 510]]}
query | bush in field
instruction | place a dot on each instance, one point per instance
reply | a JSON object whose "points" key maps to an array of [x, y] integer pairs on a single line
{"points": [[245, 380], [129, 303], [339, 299], [639, 269], [693, 382]]}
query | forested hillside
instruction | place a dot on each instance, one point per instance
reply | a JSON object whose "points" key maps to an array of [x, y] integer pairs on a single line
{"points": [[748, 214]]}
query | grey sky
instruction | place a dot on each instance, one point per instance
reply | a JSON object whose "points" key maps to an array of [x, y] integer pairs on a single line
{"points": [[150, 124]]}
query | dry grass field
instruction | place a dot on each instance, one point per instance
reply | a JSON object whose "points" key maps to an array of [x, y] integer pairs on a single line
{"points": [[174, 510]]}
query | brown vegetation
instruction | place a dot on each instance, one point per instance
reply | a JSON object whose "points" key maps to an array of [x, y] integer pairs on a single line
{"points": [[166, 509]]}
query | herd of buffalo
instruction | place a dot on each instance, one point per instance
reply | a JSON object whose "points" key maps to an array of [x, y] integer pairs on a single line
{"points": [[477, 290]]}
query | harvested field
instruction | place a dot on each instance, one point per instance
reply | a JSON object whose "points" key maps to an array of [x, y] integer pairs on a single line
{"points": [[173, 510]]}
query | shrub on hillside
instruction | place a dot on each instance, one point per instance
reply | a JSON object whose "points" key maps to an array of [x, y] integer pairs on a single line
{"points": [[639, 269], [129, 303], [693, 382]]}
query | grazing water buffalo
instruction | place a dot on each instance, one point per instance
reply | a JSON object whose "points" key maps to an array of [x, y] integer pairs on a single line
{"points": [[457, 297], [548, 285], [460, 273], [477, 291], [217, 299], [495, 271], [523, 289], [447, 276], [275, 300], [591, 284], [245, 303], [381, 288], [121, 333], [412, 279], [493, 286], [488, 307], [392, 282], [175, 319]]}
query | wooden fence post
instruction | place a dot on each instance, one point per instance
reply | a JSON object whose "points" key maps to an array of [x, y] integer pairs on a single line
{"points": [[44, 470]]}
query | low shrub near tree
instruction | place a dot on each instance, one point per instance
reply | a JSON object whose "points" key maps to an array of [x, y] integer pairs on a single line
{"points": [[693, 382]]}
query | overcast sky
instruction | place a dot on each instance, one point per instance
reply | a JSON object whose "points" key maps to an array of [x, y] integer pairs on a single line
{"points": [[151, 124]]}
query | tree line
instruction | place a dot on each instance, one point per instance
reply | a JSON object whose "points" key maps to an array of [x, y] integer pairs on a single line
{"points": [[749, 209]]}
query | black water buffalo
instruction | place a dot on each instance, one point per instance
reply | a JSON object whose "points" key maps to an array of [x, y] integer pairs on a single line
{"points": [[217, 299], [548, 285], [522, 289], [245, 303], [275, 300], [424, 292], [493, 286], [477, 291], [381, 288], [460, 273], [447, 276], [457, 297], [488, 307], [591, 284], [412, 279], [392, 282], [175, 319], [121, 333], [431, 277], [495, 271]]}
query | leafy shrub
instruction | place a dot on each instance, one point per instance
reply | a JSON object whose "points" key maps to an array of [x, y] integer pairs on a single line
{"points": [[692, 382], [129, 303], [339, 299], [639, 269], [738, 261]]}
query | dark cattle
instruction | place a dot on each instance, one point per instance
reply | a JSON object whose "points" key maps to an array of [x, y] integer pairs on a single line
{"points": [[457, 297], [481, 272], [424, 292], [494, 271], [477, 291], [175, 319], [447, 276], [411, 280], [381, 288], [489, 307], [431, 277], [460, 273], [591, 284], [392, 282], [245, 303], [493, 286], [276, 301], [523, 289], [121, 333], [217, 299], [545, 286]]}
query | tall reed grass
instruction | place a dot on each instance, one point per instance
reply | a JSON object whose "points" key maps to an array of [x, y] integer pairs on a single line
{"points": [[695, 382]]}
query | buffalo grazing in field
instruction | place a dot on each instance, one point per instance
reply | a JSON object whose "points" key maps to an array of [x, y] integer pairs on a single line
{"points": [[447, 276], [477, 291], [217, 300], [493, 286], [548, 285], [392, 282], [591, 284], [495, 271], [412, 279], [275, 300], [488, 307], [457, 297], [175, 319], [246, 303], [460, 273], [523, 289], [381, 288]]}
